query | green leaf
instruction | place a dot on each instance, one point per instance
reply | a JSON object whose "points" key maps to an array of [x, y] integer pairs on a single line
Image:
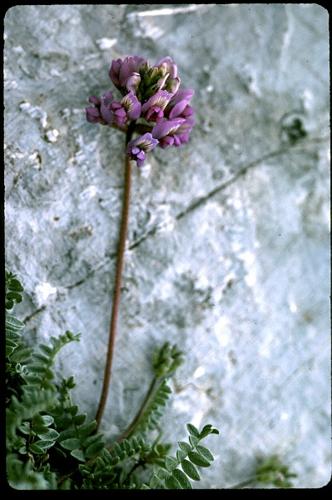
{"points": [[13, 325], [182, 478], [50, 434], [48, 374], [193, 440], [77, 453], [68, 433], [41, 422], [37, 368], [36, 449], [47, 420], [170, 463], [184, 446], [193, 431], [79, 419], [93, 449], [44, 444], [180, 455], [20, 441], [70, 444], [162, 474], [41, 357], [21, 354], [73, 410], [86, 429], [172, 483], [190, 470], [208, 429], [197, 459], [92, 439], [155, 482], [46, 349], [205, 453], [70, 382], [14, 296], [24, 428], [15, 285]]}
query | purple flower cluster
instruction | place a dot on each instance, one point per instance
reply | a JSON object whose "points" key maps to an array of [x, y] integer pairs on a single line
{"points": [[152, 94]]}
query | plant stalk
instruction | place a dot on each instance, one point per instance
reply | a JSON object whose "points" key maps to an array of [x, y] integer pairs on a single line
{"points": [[137, 419], [118, 277]]}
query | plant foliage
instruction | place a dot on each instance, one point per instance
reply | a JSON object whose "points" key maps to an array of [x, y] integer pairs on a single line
{"points": [[52, 445]]}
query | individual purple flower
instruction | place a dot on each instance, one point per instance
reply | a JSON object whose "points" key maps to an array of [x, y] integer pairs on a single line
{"points": [[179, 107], [179, 102], [97, 114], [169, 81], [129, 108], [105, 107], [153, 109], [122, 71], [169, 66], [132, 106], [138, 147], [172, 85], [110, 112], [133, 82], [168, 132], [182, 134]]}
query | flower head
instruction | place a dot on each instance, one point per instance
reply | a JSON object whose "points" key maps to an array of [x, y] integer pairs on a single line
{"points": [[152, 93], [138, 147]]}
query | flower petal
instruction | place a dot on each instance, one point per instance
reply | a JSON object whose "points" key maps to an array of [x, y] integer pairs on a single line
{"points": [[160, 99], [94, 100], [114, 71], [133, 82], [132, 106], [92, 115], [129, 66], [169, 65], [166, 127]]}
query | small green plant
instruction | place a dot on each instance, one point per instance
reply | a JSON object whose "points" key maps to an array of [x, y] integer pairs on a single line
{"points": [[52, 445], [269, 472]]}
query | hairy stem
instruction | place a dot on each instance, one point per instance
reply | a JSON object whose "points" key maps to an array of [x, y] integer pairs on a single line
{"points": [[137, 419], [118, 277]]}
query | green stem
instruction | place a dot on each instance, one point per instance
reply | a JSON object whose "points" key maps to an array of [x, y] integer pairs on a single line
{"points": [[137, 464], [118, 277], [137, 419]]}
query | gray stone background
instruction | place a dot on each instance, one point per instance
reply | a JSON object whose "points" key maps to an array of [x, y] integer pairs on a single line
{"points": [[228, 246]]}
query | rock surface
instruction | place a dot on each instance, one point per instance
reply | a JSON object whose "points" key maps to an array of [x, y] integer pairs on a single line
{"points": [[228, 246]]}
